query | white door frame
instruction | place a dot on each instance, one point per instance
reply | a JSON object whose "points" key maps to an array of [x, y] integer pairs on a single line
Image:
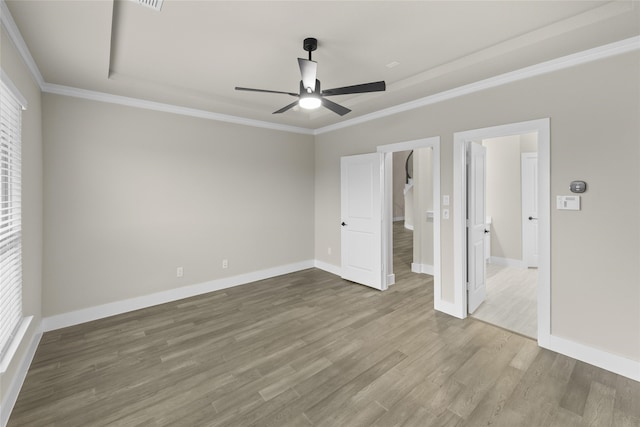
{"points": [[387, 213], [458, 307]]}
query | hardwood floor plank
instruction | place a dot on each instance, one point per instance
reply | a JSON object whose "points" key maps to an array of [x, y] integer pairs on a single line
{"points": [[335, 400], [598, 410]]}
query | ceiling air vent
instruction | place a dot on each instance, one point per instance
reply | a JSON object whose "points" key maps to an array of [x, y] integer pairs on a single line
{"points": [[153, 4]]}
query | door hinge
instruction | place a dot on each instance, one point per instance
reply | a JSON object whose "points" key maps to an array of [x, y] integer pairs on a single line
{"points": [[468, 223], [468, 286]]}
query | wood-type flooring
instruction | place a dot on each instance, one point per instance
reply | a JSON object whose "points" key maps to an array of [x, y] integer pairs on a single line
{"points": [[309, 349]]}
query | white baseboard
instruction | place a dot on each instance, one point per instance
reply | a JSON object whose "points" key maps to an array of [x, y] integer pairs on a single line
{"points": [[602, 359], [398, 218], [9, 400], [329, 268], [111, 309], [391, 279], [448, 308], [506, 262], [422, 268]]}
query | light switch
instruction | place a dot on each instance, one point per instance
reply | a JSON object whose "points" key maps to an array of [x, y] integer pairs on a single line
{"points": [[569, 203], [445, 214]]}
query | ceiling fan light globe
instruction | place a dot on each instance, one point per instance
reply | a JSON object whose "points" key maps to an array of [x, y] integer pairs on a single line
{"points": [[310, 102]]}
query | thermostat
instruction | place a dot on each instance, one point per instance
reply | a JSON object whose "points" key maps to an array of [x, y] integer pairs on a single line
{"points": [[568, 203], [578, 186]]}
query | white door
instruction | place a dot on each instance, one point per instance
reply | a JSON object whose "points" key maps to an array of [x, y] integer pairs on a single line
{"points": [[361, 211], [530, 248], [476, 223]]}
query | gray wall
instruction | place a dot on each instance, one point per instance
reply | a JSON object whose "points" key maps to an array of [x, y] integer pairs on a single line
{"points": [[595, 253], [31, 201], [131, 194]]}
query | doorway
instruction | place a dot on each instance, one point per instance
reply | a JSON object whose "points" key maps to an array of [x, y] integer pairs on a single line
{"points": [[461, 140], [403, 211], [426, 241], [367, 215], [510, 234]]}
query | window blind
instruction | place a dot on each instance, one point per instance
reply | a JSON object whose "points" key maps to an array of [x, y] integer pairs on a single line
{"points": [[10, 217]]}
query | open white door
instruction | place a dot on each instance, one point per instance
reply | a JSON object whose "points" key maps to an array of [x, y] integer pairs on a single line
{"points": [[530, 209], [476, 220], [361, 210]]}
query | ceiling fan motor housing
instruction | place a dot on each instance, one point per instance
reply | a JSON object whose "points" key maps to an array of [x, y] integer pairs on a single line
{"points": [[310, 44]]}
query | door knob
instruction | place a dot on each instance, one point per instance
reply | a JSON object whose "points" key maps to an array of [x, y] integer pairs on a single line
{"points": [[486, 231], [343, 223], [531, 218]]}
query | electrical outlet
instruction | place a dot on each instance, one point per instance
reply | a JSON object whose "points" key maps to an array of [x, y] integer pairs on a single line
{"points": [[225, 263], [179, 272], [329, 251]]}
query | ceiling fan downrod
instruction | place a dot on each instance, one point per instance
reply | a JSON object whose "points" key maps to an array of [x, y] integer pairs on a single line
{"points": [[310, 44]]}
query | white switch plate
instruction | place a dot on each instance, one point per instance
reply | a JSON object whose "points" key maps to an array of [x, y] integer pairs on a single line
{"points": [[568, 203], [445, 214], [445, 200]]}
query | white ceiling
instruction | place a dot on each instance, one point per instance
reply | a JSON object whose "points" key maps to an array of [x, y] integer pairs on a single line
{"points": [[193, 53]]}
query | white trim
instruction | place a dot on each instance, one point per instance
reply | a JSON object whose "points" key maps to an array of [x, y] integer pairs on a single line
{"points": [[506, 262], [105, 310], [14, 89], [398, 218], [16, 37], [589, 55], [460, 139], [329, 268], [422, 268], [15, 343], [544, 232], [409, 145], [602, 359], [446, 307], [391, 279], [168, 108], [9, 400]]}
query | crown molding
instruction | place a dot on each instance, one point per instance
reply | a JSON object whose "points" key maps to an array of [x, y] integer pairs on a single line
{"points": [[168, 108], [16, 37], [590, 55], [601, 52]]}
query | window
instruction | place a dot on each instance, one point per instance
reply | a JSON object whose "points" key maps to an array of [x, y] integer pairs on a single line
{"points": [[10, 216]]}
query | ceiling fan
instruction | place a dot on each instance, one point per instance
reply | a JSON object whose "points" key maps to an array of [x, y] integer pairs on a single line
{"points": [[310, 96]]}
